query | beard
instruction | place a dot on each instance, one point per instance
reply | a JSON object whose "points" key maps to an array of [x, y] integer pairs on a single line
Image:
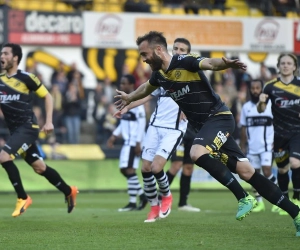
{"points": [[155, 62], [9, 65], [254, 98]]}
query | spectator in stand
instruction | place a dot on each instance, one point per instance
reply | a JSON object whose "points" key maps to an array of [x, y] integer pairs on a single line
{"points": [[71, 107], [60, 129], [219, 4], [139, 6], [282, 7], [61, 80]]}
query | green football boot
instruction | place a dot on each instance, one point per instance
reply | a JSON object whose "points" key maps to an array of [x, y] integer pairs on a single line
{"points": [[246, 205], [260, 207]]}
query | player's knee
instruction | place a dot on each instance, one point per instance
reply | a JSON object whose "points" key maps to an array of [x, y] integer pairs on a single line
{"points": [[197, 151], [4, 157], [294, 162], [39, 167], [244, 170], [156, 167]]}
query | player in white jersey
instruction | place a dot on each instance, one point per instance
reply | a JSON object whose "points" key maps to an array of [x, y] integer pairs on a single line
{"points": [[258, 132], [164, 134], [131, 129]]}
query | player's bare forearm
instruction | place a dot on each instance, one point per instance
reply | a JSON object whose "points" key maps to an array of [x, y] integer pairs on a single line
{"points": [[261, 107], [139, 102], [221, 63], [141, 92], [49, 108], [262, 103]]}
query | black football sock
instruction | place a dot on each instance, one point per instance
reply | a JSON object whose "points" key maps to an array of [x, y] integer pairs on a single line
{"points": [[185, 187], [15, 178], [170, 177], [296, 182], [222, 174], [55, 179], [283, 183], [273, 194]]}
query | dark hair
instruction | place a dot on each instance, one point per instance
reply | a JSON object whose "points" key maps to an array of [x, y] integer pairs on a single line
{"points": [[184, 41], [130, 78], [16, 50], [257, 80], [153, 37], [291, 56]]}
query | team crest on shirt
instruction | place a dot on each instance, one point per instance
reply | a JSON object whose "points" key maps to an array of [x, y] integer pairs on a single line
{"points": [[177, 74]]}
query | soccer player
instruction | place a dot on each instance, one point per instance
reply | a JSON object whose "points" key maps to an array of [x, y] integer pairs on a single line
{"points": [[181, 158], [164, 134], [16, 89], [258, 132], [284, 93], [214, 149], [132, 129]]}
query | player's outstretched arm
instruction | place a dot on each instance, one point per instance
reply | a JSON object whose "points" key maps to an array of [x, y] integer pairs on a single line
{"points": [[132, 105], [261, 105], [221, 63], [48, 127], [141, 92]]}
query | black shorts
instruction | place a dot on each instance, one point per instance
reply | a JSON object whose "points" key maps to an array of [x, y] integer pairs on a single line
{"points": [[182, 152], [22, 143], [286, 147], [216, 136]]}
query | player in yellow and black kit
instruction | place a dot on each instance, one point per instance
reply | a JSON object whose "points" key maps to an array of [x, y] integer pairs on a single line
{"points": [[214, 149], [284, 93], [16, 89]]}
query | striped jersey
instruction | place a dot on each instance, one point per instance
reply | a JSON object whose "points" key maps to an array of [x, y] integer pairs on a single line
{"points": [[166, 113], [132, 126], [16, 96], [190, 89], [285, 100], [259, 127]]}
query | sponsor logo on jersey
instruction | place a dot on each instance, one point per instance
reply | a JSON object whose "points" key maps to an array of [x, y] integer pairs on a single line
{"points": [[285, 103], [176, 95], [5, 98], [220, 139]]}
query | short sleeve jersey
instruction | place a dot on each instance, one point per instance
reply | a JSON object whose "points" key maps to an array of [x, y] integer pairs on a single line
{"points": [[188, 86], [285, 100], [16, 98], [167, 112]]}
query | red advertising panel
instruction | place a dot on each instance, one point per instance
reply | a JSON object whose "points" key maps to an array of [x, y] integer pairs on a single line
{"points": [[296, 37], [45, 28]]}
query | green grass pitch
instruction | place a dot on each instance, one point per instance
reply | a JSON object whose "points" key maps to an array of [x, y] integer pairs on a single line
{"points": [[96, 224]]}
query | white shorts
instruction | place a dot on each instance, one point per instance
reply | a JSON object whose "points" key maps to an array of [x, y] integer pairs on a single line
{"points": [[128, 157], [262, 159], [160, 141]]}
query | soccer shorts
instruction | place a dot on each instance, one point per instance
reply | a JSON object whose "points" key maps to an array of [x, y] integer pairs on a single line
{"points": [[216, 136], [160, 141], [128, 159], [182, 152], [285, 147], [262, 159], [22, 143]]}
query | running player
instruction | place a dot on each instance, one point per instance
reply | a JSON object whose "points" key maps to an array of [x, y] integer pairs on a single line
{"points": [[16, 87], [214, 149], [284, 93]]}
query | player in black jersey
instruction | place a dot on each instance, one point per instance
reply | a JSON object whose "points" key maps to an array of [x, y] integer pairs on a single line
{"points": [[284, 93], [181, 157], [214, 149], [16, 88]]}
